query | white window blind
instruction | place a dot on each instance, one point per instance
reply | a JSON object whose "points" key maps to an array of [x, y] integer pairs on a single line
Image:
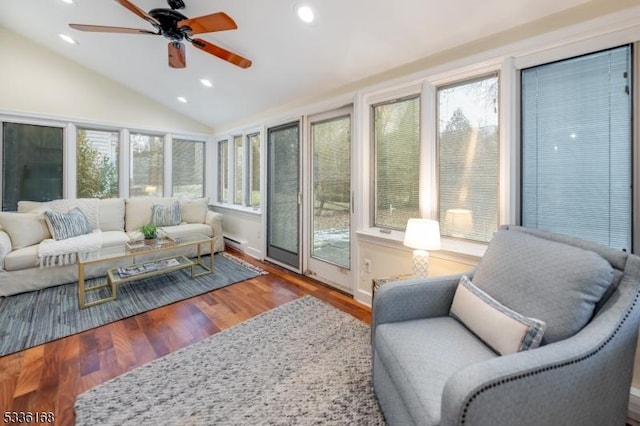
{"points": [[397, 162], [576, 147], [468, 158]]}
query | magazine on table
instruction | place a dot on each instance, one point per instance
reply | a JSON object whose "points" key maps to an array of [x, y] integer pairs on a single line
{"points": [[133, 270]]}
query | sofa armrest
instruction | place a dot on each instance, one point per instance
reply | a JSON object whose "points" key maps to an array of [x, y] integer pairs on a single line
{"points": [[413, 298], [5, 247], [214, 220], [592, 371]]}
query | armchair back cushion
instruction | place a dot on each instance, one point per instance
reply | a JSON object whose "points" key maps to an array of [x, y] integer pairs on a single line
{"points": [[544, 279]]}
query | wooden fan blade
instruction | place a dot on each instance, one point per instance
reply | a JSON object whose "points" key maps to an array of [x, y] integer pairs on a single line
{"points": [[177, 57], [141, 13], [221, 53], [209, 23], [103, 29]]}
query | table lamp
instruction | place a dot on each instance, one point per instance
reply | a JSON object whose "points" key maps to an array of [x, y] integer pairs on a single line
{"points": [[422, 235]]}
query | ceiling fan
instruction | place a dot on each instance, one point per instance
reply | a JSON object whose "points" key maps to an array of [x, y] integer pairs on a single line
{"points": [[176, 27]]}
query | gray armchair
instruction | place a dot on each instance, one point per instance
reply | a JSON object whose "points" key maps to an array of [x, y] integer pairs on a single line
{"points": [[430, 369]]}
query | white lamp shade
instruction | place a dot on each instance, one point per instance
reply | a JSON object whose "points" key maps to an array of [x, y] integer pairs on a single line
{"points": [[422, 234]]}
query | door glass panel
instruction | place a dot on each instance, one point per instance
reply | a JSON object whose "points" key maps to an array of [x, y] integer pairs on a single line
{"points": [[331, 141], [284, 184], [32, 164]]}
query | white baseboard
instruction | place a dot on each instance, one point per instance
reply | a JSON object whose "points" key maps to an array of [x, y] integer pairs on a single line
{"points": [[235, 243], [634, 405]]}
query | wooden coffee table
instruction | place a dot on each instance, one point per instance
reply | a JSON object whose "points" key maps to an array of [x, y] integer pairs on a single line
{"points": [[138, 260]]}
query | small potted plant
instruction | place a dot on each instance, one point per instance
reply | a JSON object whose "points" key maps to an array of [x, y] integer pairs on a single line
{"points": [[150, 231]]}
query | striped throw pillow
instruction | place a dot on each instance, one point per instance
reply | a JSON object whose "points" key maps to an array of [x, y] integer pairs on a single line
{"points": [[67, 225], [166, 215]]}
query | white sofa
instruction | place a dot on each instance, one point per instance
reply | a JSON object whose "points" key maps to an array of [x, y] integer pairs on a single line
{"points": [[118, 220]]}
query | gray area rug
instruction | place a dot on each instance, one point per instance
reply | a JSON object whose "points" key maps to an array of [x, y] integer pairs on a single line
{"points": [[302, 363], [36, 317]]}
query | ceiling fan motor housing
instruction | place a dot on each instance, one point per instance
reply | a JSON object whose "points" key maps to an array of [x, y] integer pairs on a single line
{"points": [[169, 23], [176, 4]]}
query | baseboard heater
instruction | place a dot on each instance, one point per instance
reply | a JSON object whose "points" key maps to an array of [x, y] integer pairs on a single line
{"points": [[235, 243]]}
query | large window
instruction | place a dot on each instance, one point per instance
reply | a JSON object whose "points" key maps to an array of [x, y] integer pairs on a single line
{"points": [[223, 171], [253, 170], [31, 163], [576, 147], [468, 158], [238, 167], [147, 165], [97, 163], [396, 127], [187, 168]]}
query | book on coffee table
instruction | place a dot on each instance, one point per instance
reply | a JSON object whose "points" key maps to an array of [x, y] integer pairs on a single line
{"points": [[142, 245], [133, 270]]}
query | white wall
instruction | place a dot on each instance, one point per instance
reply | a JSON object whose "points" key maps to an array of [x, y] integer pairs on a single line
{"points": [[36, 82]]}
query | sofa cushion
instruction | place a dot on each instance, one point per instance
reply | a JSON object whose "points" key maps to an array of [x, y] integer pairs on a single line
{"points": [[166, 215], [420, 355], [138, 211], [67, 225], [553, 282], [194, 210], [24, 229], [501, 328], [89, 207], [114, 238], [24, 258], [111, 214]]}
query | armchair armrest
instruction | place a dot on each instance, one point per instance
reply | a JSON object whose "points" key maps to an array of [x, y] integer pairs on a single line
{"points": [[5, 247], [587, 369], [413, 298], [214, 220]]}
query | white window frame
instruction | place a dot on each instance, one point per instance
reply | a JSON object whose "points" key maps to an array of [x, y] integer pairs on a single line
{"points": [[187, 138]]}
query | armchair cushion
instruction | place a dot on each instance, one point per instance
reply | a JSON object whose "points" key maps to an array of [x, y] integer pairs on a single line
{"points": [[501, 328], [420, 355], [541, 278]]}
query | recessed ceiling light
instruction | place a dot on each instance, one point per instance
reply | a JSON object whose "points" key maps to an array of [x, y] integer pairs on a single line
{"points": [[305, 13], [206, 82], [68, 1], [68, 39], [182, 99]]}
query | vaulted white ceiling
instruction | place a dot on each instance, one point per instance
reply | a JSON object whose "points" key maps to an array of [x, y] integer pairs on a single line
{"points": [[349, 40]]}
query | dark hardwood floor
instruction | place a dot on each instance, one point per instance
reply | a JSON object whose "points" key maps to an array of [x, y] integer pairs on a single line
{"points": [[48, 377]]}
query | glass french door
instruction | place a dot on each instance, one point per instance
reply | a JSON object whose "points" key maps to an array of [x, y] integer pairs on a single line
{"points": [[283, 195], [329, 254]]}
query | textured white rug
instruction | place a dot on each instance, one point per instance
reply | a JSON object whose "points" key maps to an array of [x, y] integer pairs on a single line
{"points": [[302, 363]]}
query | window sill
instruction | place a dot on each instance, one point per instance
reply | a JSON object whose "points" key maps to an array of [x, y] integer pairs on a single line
{"points": [[236, 208], [452, 249]]}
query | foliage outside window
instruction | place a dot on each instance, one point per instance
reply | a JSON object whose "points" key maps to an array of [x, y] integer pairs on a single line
{"points": [[238, 166], [254, 169], [396, 127], [223, 171], [147, 165], [31, 163], [468, 159], [97, 163], [187, 168]]}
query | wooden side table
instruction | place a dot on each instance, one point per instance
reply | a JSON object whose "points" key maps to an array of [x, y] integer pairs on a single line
{"points": [[378, 282]]}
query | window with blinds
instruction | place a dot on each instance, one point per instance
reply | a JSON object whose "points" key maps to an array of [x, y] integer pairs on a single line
{"points": [[187, 168], [577, 147], [253, 140], [468, 158], [223, 171], [147, 165], [396, 128], [238, 159]]}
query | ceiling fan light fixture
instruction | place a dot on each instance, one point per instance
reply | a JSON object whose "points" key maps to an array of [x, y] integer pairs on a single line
{"points": [[206, 82], [182, 99], [305, 13], [67, 38]]}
